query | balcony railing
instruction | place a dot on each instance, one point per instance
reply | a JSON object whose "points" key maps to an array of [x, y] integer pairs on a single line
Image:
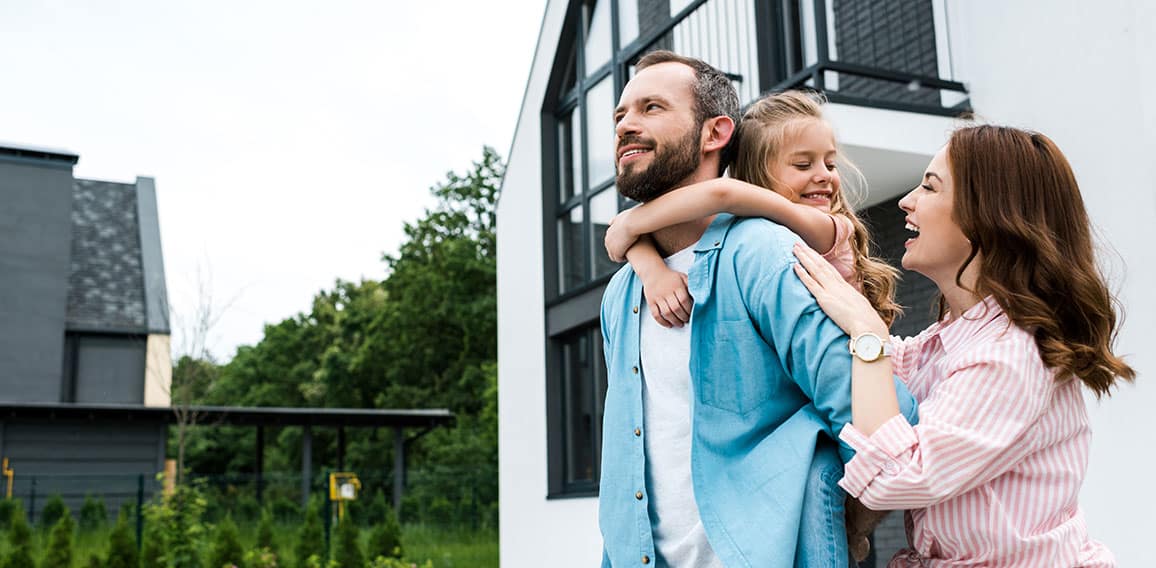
{"points": [[890, 54]]}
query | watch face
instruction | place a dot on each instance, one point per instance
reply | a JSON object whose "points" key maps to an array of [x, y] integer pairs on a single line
{"points": [[868, 347]]}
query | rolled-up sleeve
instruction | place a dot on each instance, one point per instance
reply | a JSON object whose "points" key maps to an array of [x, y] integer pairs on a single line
{"points": [[881, 453]]}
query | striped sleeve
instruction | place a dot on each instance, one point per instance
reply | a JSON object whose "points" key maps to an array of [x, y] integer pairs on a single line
{"points": [[969, 432]]}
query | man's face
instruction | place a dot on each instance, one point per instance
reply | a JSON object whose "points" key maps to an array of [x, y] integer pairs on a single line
{"points": [[658, 139]]}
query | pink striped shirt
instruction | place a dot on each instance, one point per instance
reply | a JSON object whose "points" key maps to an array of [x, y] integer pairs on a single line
{"points": [[992, 472]]}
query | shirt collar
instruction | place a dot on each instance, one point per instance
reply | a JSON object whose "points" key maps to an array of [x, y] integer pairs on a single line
{"points": [[953, 333], [716, 234]]}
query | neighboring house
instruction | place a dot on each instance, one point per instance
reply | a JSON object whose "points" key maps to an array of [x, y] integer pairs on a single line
{"points": [[84, 321], [898, 73]]}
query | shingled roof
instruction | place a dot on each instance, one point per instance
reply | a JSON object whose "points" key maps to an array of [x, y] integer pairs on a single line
{"points": [[108, 284]]}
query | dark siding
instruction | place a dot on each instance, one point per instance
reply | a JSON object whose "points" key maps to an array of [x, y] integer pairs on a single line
{"points": [[35, 235], [110, 369], [76, 458], [897, 35]]}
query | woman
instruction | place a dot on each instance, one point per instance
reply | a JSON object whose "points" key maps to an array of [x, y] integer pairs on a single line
{"points": [[992, 472]]}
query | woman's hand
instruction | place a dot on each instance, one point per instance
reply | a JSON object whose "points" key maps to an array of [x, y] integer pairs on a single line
{"points": [[618, 237], [842, 302]]}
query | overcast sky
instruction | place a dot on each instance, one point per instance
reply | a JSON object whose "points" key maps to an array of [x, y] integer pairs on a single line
{"points": [[289, 140]]}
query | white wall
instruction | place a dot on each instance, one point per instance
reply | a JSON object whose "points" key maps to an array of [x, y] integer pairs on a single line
{"points": [[534, 531], [1082, 73]]}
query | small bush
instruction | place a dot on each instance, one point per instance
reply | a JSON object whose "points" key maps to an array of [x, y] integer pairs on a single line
{"points": [[53, 510], [93, 514], [59, 553], [152, 552], [19, 542], [94, 562], [311, 537], [260, 558], [385, 538], [246, 509], [346, 548], [7, 508], [122, 551], [265, 531], [226, 547]]}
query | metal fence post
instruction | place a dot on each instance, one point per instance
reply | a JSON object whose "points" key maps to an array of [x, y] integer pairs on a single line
{"points": [[32, 502], [139, 511]]}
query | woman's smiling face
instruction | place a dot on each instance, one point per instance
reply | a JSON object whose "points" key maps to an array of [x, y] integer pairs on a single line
{"points": [[938, 247]]}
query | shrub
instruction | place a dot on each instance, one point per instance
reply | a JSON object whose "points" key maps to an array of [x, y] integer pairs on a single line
{"points": [[226, 547], [93, 513], [346, 548], [246, 508], [59, 553], [53, 510], [19, 542], [385, 538], [7, 509], [152, 551], [311, 537], [260, 558], [265, 531], [94, 562], [122, 551]]}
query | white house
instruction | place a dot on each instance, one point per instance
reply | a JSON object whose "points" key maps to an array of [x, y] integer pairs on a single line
{"points": [[898, 72]]}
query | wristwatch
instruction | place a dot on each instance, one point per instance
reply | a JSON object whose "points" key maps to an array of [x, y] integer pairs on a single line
{"points": [[869, 347]]}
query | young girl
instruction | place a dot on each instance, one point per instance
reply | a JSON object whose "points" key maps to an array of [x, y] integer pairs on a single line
{"points": [[785, 145], [991, 475], [788, 147]]}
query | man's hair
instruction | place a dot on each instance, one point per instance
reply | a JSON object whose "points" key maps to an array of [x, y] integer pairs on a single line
{"points": [[714, 95]]}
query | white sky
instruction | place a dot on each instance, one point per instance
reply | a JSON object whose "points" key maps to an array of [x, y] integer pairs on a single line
{"points": [[289, 141]]}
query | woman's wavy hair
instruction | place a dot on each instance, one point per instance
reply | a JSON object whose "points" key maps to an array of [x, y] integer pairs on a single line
{"points": [[768, 125], [1017, 201]]}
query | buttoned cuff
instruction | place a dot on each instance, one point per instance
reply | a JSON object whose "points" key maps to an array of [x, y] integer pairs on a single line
{"points": [[880, 454]]}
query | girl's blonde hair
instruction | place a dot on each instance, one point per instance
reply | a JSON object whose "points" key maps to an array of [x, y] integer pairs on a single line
{"points": [[767, 126]]}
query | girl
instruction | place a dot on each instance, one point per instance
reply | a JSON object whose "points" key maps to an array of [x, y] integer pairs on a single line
{"points": [[993, 470], [787, 146]]}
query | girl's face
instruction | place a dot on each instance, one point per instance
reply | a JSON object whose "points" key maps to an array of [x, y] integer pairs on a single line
{"points": [[805, 170], [938, 247]]}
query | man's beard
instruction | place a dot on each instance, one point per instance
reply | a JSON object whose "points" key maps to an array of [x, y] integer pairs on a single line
{"points": [[669, 166]]}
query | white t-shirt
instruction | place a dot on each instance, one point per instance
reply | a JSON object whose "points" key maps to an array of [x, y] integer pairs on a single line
{"points": [[679, 538]]}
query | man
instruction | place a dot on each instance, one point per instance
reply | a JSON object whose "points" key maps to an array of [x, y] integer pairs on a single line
{"points": [[718, 437]]}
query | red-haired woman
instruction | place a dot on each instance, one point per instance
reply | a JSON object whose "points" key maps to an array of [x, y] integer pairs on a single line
{"points": [[992, 472]]}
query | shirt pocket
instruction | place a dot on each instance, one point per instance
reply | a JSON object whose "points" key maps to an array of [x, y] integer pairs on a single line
{"points": [[738, 368]]}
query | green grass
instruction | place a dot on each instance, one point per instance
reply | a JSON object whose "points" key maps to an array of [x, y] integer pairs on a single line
{"points": [[446, 547]]}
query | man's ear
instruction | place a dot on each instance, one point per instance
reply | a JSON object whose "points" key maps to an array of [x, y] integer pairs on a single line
{"points": [[716, 133]]}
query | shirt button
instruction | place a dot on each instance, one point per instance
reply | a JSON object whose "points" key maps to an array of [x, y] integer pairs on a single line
{"points": [[634, 370], [636, 309], [638, 431], [645, 559], [890, 468], [638, 495]]}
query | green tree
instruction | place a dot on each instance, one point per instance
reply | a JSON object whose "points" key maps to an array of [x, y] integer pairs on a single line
{"points": [[7, 509], [122, 552], [265, 530], [93, 513], [311, 536], [53, 510], [152, 551], [346, 545], [19, 542], [226, 548], [59, 553]]}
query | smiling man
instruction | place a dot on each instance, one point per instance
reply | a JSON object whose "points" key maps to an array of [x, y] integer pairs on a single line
{"points": [[718, 441]]}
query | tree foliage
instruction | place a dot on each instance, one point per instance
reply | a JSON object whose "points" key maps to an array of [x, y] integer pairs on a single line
{"points": [[422, 337], [59, 552]]}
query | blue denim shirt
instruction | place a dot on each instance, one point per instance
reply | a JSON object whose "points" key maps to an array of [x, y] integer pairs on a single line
{"points": [[771, 382]]}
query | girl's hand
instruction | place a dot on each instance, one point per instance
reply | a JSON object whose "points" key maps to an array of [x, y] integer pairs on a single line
{"points": [[618, 237], [668, 298], [841, 301]]}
